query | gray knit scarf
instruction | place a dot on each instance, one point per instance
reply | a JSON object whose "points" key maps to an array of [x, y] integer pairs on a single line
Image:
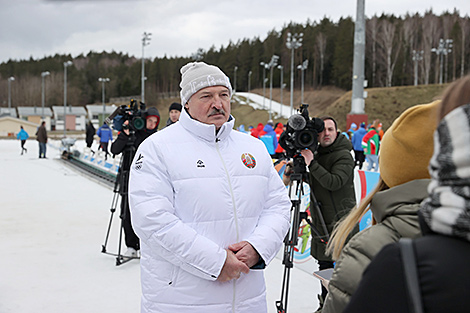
{"points": [[447, 209]]}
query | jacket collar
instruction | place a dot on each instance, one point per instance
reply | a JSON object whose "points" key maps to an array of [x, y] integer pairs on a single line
{"points": [[206, 132]]}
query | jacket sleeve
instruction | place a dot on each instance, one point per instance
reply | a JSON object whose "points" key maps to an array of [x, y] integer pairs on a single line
{"points": [[274, 221], [355, 257], [366, 138], [339, 174], [119, 144], [154, 220]]}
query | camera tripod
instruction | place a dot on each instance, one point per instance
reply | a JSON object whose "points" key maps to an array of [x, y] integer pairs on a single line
{"points": [[120, 189], [298, 176]]}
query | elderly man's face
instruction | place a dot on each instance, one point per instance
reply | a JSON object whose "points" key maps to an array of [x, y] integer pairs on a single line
{"points": [[210, 105]]}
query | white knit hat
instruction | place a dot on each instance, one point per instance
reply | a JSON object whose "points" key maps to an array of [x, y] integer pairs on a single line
{"points": [[198, 75]]}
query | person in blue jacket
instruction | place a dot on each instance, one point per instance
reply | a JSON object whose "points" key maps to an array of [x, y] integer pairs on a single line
{"points": [[106, 135], [269, 138], [356, 141], [22, 135]]}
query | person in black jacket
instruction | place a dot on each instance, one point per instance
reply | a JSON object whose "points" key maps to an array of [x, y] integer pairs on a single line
{"points": [[90, 133], [127, 143], [443, 252]]}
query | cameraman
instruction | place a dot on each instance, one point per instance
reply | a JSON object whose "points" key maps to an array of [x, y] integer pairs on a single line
{"points": [[331, 173], [125, 142]]}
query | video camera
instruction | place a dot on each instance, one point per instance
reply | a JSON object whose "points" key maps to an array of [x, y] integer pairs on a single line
{"points": [[301, 132], [130, 112]]}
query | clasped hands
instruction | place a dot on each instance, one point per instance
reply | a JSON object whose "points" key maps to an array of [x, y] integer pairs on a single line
{"points": [[240, 257]]}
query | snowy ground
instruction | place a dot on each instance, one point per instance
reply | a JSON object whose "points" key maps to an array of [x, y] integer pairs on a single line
{"points": [[259, 102], [53, 223]]}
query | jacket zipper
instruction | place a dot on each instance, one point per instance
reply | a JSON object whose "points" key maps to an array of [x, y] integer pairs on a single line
{"points": [[234, 213]]}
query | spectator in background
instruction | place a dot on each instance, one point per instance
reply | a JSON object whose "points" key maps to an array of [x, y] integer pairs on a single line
{"points": [[269, 138], [371, 144], [23, 136], [106, 135], [394, 202], [442, 254], [174, 112], [279, 152], [352, 129], [90, 134], [357, 145], [380, 131], [41, 137], [255, 132]]}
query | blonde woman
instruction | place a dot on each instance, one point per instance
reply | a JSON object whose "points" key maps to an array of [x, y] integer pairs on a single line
{"points": [[404, 157]]}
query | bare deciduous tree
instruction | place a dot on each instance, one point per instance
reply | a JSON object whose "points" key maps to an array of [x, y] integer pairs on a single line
{"points": [[431, 36], [390, 41], [320, 45]]}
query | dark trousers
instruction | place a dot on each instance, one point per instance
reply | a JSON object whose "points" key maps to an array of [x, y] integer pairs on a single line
{"points": [[42, 150], [104, 147], [359, 157], [323, 266], [131, 239], [22, 146]]}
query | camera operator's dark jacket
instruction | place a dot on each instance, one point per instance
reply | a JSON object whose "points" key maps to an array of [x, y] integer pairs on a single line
{"points": [[331, 180], [122, 141]]}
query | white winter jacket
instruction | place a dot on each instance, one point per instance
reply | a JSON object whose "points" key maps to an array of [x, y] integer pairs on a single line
{"points": [[193, 193]]}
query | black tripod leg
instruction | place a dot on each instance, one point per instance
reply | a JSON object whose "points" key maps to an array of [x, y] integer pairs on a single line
{"points": [[113, 209]]}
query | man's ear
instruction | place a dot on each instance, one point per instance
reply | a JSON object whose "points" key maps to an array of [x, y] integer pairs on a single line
{"points": [[186, 105]]}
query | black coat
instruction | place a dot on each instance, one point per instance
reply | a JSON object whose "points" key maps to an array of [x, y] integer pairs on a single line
{"points": [[90, 133], [444, 277]]}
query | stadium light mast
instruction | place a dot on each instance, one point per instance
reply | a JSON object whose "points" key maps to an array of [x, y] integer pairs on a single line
{"points": [[103, 80], [265, 66], [10, 79], [303, 67], [66, 64], [293, 42], [145, 42], [271, 65], [280, 67], [417, 56], [43, 97]]}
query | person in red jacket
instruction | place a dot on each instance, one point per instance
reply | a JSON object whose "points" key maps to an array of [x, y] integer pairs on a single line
{"points": [[258, 131], [280, 128]]}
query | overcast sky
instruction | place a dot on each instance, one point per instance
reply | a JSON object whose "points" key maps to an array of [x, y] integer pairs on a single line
{"points": [[41, 28]]}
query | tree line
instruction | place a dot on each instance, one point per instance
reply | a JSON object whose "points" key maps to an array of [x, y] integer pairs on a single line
{"points": [[328, 45]]}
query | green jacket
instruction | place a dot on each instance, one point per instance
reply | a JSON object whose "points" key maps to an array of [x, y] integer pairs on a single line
{"points": [[331, 181], [395, 211]]}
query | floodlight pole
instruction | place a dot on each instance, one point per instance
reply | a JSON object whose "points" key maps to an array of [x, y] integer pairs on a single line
{"points": [[66, 64], [43, 97], [10, 79], [145, 42]]}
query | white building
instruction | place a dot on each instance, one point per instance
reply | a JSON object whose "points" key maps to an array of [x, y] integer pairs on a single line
{"points": [[95, 113], [75, 117], [36, 115]]}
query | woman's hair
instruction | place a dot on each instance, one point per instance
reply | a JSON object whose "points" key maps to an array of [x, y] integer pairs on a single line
{"points": [[457, 94], [344, 226]]}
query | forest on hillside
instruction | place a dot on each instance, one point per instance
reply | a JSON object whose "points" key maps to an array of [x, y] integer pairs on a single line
{"points": [[327, 45]]}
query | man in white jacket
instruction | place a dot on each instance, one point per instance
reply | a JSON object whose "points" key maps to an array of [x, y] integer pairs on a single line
{"points": [[208, 206]]}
